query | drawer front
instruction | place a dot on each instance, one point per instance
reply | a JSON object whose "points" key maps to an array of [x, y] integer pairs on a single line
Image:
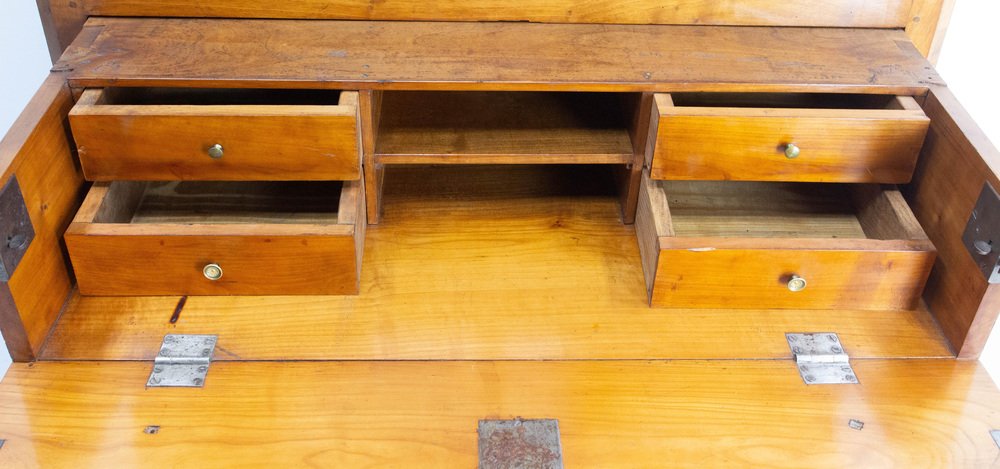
{"points": [[221, 143], [763, 278], [795, 145], [114, 265]]}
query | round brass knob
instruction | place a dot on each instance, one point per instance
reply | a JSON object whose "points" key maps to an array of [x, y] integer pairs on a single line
{"points": [[796, 283], [212, 272], [792, 151], [215, 151]]}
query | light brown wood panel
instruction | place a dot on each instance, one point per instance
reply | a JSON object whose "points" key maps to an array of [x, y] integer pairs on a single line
{"points": [[957, 159], [503, 128], [491, 56], [739, 143], [927, 25], [39, 152], [370, 109], [843, 13], [63, 19], [916, 413], [737, 245], [484, 262], [162, 248], [170, 142]]}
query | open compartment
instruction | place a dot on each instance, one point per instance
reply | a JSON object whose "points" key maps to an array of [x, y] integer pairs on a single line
{"points": [[785, 137], [161, 134], [506, 127], [218, 238], [780, 245]]}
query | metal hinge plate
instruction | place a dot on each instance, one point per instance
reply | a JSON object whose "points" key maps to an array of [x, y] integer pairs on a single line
{"points": [[982, 234], [520, 443], [821, 359], [16, 231], [183, 361]]}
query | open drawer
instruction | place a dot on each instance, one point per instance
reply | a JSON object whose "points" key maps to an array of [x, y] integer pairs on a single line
{"points": [[162, 134], [785, 137], [219, 238], [780, 245]]}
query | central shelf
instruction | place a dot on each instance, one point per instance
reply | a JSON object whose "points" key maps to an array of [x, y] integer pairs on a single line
{"points": [[420, 127]]}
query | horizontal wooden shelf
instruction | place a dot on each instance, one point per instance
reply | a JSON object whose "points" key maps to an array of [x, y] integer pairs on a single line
{"points": [[490, 56], [392, 414], [503, 127], [478, 263]]}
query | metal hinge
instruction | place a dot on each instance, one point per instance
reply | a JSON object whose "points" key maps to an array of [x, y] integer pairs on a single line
{"points": [[821, 359], [183, 361], [982, 234]]}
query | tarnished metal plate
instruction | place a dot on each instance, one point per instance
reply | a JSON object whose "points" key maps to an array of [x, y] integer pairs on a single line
{"points": [[183, 361], [520, 444], [982, 233], [996, 437], [16, 231], [821, 359]]}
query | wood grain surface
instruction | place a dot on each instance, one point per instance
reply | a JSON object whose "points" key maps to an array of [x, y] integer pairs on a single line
{"points": [[484, 262], [126, 141], [63, 19], [490, 56], [503, 128], [916, 413], [740, 143], [39, 152]]}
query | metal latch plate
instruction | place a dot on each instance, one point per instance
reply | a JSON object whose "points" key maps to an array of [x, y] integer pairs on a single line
{"points": [[519, 443], [982, 233], [16, 231], [183, 361], [821, 359]]}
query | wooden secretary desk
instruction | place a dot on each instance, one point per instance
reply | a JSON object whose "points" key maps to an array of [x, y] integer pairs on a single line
{"points": [[560, 233]]}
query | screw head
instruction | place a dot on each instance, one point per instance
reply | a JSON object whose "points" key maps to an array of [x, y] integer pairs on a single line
{"points": [[197, 381]]}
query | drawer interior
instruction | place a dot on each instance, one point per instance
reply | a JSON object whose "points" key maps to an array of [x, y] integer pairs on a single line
{"points": [[741, 209], [546, 127], [794, 101], [221, 202], [155, 96]]}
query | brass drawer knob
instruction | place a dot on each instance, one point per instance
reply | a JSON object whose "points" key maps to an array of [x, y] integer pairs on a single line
{"points": [[792, 151], [796, 283], [215, 151], [212, 272]]}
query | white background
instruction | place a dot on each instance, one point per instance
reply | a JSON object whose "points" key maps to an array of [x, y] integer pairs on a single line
{"points": [[968, 63]]}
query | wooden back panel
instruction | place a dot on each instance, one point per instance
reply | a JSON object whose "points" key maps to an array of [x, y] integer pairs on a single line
{"points": [[64, 18]]}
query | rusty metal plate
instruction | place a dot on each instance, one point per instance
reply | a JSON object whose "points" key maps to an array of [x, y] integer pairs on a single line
{"points": [[982, 233], [520, 444], [16, 231]]}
